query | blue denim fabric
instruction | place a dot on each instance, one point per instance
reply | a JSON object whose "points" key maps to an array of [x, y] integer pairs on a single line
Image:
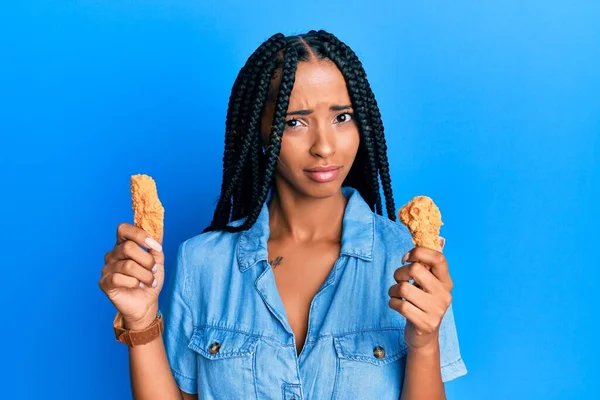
{"points": [[222, 290]]}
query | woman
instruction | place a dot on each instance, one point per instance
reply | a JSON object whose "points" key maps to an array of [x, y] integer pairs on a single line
{"points": [[295, 290]]}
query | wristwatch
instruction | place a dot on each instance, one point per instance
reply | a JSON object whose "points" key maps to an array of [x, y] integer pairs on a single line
{"points": [[134, 338]]}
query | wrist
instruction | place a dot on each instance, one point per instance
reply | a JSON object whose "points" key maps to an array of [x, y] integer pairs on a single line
{"points": [[428, 350], [143, 322]]}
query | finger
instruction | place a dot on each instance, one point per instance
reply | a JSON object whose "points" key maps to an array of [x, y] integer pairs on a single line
{"points": [[118, 281], [407, 272], [412, 294], [108, 257], [130, 250], [433, 259], [422, 277], [129, 268], [159, 256], [127, 231], [425, 279], [410, 311], [442, 244], [134, 270]]}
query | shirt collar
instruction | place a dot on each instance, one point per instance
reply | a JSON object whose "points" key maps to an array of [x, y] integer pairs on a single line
{"points": [[357, 233]]}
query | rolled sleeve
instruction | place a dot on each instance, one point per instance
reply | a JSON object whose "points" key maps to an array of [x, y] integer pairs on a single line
{"points": [[452, 364], [179, 328]]}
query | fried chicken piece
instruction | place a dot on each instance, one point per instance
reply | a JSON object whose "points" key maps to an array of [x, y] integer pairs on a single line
{"points": [[148, 212], [424, 220]]}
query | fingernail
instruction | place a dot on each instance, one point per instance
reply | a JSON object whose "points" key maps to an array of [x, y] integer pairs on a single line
{"points": [[442, 242], [405, 258], [142, 285], [155, 268], [154, 283], [153, 244]]}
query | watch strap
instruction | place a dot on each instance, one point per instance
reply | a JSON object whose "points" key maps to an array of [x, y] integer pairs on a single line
{"points": [[140, 337]]}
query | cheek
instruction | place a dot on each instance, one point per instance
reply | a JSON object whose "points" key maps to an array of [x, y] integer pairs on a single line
{"points": [[289, 155], [349, 142]]}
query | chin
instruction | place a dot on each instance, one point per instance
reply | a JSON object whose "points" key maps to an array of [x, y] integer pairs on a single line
{"points": [[320, 190], [308, 188]]}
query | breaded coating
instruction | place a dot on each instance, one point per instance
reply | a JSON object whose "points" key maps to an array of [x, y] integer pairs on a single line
{"points": [[148, 212], [424, 220]]}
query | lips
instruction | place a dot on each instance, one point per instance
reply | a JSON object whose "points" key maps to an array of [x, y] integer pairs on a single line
{"points": [[323, 174]]}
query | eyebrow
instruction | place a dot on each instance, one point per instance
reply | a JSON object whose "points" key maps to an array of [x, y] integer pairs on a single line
{"points": [[332, 108]]}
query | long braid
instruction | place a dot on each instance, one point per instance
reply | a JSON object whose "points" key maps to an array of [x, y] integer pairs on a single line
{"points": [[242, 139], [251, 179], [378, 130], [348, 69], [381, 146], [232, 137], [378, 136], [250, 102], [288, 76], [374, 132]]}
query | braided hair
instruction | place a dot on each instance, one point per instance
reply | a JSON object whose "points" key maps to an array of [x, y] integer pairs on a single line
{"points": [[248, 170]]}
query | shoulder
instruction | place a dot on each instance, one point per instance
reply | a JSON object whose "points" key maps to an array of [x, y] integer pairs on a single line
{"points": [[206, 246], [391, 240], [203, 260], [213, 247]]}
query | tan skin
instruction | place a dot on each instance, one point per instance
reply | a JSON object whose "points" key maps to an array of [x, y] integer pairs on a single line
{"points": [[306, 216], [306, 227]]}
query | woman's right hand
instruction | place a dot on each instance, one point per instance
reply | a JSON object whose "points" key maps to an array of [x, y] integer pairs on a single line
{"points": [[132, 277]]}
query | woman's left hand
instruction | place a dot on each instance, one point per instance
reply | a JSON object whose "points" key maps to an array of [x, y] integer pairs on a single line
{"points": [[424, 303]]}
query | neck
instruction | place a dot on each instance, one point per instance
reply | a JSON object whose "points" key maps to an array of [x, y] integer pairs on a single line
{"points": [[305, 219]]}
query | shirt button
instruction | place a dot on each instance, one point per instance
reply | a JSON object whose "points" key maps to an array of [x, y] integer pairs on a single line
{"points": [[214, 348], [379, 352]]}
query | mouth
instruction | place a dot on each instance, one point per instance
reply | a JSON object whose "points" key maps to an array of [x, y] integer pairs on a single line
{"points": [[323, 174]]}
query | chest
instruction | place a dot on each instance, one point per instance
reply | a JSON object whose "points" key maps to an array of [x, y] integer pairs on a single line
{"points": [[349, 320], [300, 271]]}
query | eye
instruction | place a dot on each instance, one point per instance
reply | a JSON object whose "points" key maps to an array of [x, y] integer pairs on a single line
{"points": [[293, 123], [345, 117]]}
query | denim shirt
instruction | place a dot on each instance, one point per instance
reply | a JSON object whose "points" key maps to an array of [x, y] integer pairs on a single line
{"points": [[227, 335]]}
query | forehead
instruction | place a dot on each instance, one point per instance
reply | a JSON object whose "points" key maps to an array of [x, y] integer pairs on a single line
{"points": [[318, 82]]}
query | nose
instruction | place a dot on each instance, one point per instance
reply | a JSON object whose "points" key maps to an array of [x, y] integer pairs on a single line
{"points": [[324, 143]]}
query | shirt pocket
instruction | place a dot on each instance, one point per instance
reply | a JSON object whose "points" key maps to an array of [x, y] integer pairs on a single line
{"points": [[370, 364], [225, 362]]}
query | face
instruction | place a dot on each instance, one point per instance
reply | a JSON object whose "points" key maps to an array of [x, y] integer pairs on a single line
{"points": [[321, 138]]}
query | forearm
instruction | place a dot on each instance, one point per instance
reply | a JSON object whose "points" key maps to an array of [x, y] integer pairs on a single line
{"points": [[422, 376], [150, 374]]}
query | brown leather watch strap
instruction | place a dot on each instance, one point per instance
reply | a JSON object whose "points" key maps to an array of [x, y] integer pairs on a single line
{"points": [[134, 338]]}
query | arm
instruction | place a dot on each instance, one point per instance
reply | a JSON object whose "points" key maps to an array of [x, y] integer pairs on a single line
{"points": [[132, 279], [422, 376], [424, 305], [151, 376]]}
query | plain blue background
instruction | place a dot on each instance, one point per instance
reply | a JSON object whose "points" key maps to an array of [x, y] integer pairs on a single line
{"points": [[490, 108]]}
